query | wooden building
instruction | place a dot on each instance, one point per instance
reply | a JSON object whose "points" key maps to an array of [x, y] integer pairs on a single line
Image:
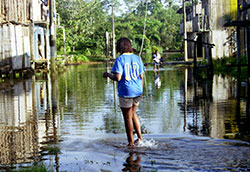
{"points": [[24, 31], [205, 23]]}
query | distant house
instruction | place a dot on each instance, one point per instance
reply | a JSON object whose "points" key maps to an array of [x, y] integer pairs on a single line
{"points": [[24, 31], [205, 23]]}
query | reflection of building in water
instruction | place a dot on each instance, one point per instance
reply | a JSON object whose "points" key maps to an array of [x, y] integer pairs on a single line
{"points": [[48, 123], [41, 96], [222, 92], [18, 124], [212, 107], [26, 120], [224, 108]]}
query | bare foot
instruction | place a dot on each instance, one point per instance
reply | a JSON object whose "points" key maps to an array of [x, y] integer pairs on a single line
{"points": [[137, 141], [130, 145]]}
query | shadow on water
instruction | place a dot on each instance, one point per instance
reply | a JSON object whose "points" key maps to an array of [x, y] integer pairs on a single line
{"points": [[72, 122]]}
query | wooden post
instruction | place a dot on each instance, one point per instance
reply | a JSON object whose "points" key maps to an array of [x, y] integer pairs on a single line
{"points": [[248, 52], [238, 38], [107, 43], [64, 40], [195, 55], [185, 32], [247, 30], [210, 59], [32, 47], [113, 30], [52, 33], [247, 38]]}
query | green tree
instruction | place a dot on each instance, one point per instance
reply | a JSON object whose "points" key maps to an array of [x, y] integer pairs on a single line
{"points": [[86, 22]]}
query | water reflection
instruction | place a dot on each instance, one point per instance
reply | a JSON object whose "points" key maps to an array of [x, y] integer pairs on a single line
{"points": [[218, 108], [26, 120], [157, 79], [77, 114], [18, 123], [132, 162]]}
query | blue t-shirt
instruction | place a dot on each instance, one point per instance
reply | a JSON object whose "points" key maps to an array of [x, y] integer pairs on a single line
{"points": [[130, 66]]}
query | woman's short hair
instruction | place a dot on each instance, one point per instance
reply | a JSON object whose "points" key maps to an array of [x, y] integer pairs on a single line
{"points": [[124, 45]]}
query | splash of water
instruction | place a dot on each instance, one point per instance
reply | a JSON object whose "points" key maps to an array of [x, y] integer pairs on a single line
{"points": [[147, 143]]}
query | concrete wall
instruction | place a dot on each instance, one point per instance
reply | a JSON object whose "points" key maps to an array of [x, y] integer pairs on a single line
{"points": [[219, 38], [212, 15], [222, 37]]}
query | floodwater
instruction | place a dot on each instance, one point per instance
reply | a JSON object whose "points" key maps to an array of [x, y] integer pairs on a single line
{"points": [[72, 122]]}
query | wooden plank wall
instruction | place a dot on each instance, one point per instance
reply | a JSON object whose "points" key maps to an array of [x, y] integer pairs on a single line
{"points": [[15, 46], [15, 23], [15, 11]]}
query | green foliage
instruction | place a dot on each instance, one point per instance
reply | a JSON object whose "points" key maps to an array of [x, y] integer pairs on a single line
{"points": [[175, 56], [228, 65], [80, 59], [86, 22], [203, 62], [154, 48]]}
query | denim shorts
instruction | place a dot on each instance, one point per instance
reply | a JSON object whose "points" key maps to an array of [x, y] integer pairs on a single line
{"points": [[129, 102]]}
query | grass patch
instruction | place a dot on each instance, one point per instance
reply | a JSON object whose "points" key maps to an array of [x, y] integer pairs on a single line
{"points": [[35, 168]]}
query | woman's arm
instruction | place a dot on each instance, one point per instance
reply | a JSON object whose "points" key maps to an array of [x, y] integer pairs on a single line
{"points": [[142, 78], [114, 77]]}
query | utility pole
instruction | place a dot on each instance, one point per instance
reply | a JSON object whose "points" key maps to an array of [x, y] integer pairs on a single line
{"points": [[185, 32], [52, 32], [144, 28], [113, 30], [238, 36], [246, 7]]}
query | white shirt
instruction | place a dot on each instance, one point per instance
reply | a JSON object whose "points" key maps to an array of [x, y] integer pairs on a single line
{"points": [[157, 57]]}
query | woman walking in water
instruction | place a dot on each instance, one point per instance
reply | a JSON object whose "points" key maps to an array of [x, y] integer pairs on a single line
{"points": [[128, 71]]}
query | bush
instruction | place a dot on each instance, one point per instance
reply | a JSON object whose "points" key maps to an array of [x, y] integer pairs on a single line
{"points": [[228, 65], [80, 59]]}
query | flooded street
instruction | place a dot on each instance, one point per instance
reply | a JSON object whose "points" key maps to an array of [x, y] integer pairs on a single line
{"points": [[72, 122]]}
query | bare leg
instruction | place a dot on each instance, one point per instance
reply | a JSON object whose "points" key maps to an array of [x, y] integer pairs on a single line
{"points": [[129, 126], [136, 123]]}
